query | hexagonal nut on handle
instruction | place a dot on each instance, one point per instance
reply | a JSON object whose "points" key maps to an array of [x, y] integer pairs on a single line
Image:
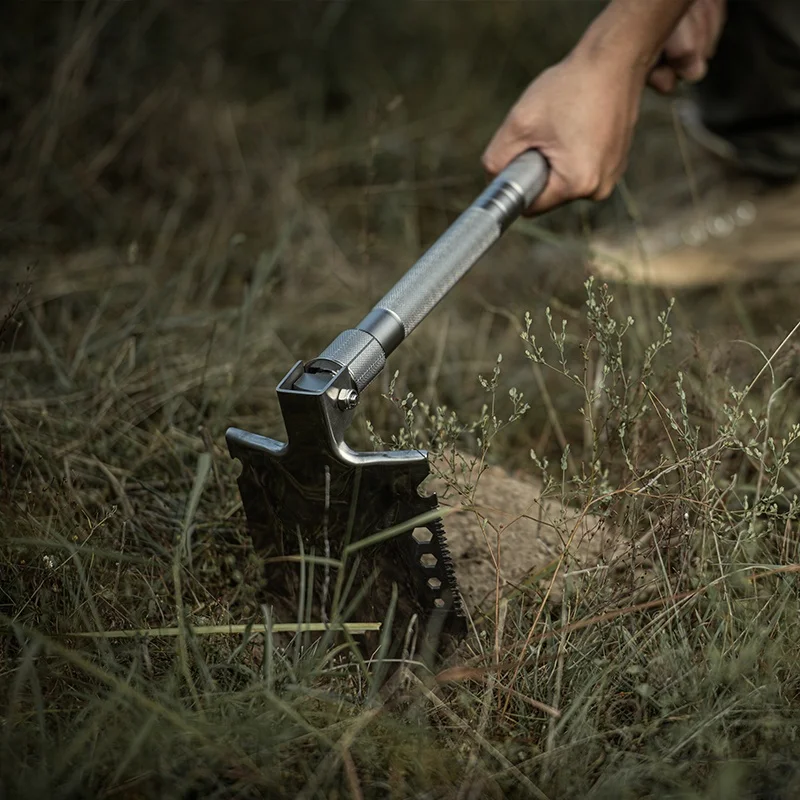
{"points": [[346, 399]]}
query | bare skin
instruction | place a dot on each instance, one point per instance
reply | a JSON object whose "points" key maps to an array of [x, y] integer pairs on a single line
{"points": [[690, 47], [581, 113]]}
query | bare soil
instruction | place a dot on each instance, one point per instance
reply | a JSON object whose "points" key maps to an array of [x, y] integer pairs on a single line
{"points": [[509, 537]]}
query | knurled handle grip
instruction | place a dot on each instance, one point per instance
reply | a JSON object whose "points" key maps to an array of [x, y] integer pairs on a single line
{"points": [[417, 293]]}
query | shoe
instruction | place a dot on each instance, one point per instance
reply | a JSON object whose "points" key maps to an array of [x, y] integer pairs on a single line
{"points": [[741, 228]]}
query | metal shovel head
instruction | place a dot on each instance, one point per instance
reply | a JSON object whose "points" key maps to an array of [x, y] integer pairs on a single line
{"points": [[314, 494]]}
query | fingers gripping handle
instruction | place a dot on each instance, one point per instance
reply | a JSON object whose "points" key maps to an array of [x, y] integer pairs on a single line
{"points": [[364, 349], [528, 175]]}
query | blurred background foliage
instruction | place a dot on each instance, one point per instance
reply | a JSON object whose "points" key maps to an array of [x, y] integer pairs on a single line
{"points": [[195, 195]]}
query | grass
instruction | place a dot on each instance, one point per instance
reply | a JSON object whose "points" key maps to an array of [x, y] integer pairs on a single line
{"points": [[178, 231]]}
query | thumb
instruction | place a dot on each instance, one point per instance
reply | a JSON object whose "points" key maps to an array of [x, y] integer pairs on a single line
{"points": [[555, 193]]}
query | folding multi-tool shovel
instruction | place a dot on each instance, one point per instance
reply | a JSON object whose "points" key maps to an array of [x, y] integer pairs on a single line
{"points": [[315, 494]]}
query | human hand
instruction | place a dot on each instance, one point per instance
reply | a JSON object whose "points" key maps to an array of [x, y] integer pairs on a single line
{"points": [[580, 114], [692, 44]]}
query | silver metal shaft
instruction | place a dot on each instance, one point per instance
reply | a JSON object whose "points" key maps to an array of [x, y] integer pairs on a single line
{"points": [[364, 349]]}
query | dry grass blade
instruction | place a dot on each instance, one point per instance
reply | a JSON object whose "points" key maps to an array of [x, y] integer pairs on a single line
{"points": [[354, 628], [462, 725], [193, 200]]}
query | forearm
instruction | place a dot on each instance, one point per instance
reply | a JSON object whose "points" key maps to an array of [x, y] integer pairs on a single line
{"points": [[633, 32]]}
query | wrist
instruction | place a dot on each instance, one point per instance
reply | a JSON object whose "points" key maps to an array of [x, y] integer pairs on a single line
{"points": [[605, 45], [605, 52]]}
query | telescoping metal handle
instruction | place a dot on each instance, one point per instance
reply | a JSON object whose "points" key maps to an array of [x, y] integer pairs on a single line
{"points": [[364, 349]]}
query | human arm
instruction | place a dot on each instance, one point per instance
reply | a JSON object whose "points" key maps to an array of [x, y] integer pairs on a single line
{"points": [[581, 113]]}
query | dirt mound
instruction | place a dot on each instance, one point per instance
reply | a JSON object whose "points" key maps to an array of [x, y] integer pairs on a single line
{"points": [[511, 538]]}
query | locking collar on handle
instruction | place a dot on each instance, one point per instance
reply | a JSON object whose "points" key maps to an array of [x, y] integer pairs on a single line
{"points": [[525, 177], [364, 349]]}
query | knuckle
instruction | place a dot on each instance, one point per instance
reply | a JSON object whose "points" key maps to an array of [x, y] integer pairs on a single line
{"points": [[603, 190], [518, 123], [489, 163], [587, 185]]}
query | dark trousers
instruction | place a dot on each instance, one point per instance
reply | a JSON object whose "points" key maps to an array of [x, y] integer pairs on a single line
{"points": [[751, 94]]}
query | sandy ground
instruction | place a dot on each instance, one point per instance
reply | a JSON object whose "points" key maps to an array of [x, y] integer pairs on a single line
{"points": [[510, 537]]}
